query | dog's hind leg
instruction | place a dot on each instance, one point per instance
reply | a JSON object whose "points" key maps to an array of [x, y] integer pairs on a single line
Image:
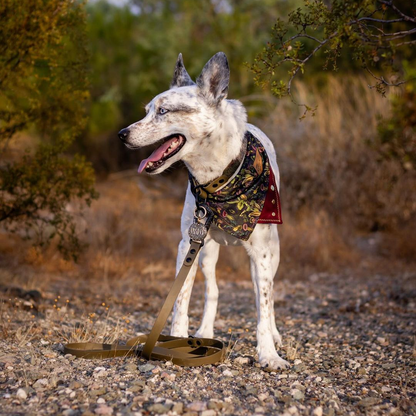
{"points": [[275, 254], [259, 250], [207, 261], [180, 320]]}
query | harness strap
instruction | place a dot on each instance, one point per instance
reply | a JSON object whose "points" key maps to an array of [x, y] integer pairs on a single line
{"points": [[181, 351]]}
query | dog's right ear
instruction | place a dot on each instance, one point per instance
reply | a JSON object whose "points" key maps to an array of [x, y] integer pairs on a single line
{"points": [[181, 77]]}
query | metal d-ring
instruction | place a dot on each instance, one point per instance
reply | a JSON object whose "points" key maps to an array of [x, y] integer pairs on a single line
{"points": [[200, 212]]}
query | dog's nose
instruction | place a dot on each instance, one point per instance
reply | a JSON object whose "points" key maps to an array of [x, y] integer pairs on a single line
{"points": [[123, 134]]}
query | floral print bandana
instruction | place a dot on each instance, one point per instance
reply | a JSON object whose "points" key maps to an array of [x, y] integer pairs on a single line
{"points": [[237, 206]]}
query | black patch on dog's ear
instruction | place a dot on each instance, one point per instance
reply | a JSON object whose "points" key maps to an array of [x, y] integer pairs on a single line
{"points": [[181, 77], [214, 79]]}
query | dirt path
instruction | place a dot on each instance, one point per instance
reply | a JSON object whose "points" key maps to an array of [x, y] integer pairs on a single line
{"points": [[351, 343]]}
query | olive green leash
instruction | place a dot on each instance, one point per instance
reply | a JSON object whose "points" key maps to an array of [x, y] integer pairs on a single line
{"points": [[154, 346]]}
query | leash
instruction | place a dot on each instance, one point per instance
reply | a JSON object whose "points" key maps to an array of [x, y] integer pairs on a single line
{"points": [[187, 352]]}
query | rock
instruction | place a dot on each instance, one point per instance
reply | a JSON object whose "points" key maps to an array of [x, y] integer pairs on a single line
{"points": [[146, 367], [41, 383], [251, 390], [98, 392], [100, 400], [208, 412], [158, 408], [21, 394], [69, 412], [178, 408], [214, 405], [227, 373], [368, 401], [297, 394], [244, 360], [196, 406], [318, 411], [131, 367], [75, 385], [103, 409], [135, 388]]}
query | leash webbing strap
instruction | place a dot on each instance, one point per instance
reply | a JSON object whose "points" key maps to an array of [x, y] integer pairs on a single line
{"points": [[181, 351]]}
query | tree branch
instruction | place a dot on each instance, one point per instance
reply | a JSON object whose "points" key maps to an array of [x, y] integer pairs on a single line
{"points": [[398, 11]]}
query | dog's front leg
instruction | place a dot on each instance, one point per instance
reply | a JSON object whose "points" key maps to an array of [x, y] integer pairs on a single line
{"points": [[262, 273], [207, 261], [180, 321]]}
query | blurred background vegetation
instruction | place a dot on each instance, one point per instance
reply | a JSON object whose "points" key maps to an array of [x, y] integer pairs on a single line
{"points": [[72, 74]]}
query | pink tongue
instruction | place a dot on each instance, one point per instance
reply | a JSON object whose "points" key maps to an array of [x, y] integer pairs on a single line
{"points": [[156, 155]]}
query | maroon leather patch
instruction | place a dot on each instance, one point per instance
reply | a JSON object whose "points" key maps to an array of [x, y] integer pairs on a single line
{"points": [[272, 212]]}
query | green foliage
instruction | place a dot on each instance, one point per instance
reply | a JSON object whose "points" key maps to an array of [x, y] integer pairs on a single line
{"points": [[397, 134], [134, 48], [371, 34], [43, 87], [133, 54], [376, 36]]}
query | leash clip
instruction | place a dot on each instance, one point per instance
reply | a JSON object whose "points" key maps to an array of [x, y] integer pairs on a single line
{"points": [[202, 220]]}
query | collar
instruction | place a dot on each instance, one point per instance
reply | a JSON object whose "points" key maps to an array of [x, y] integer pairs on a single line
{"points": [[202, 191], [237, 201]]}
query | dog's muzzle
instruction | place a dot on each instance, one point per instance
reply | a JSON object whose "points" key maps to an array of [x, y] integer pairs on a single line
{"points": [[123, 135]]}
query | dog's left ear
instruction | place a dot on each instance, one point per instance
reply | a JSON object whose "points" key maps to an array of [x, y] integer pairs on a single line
{"points": [[181, 77], [214, 79]]}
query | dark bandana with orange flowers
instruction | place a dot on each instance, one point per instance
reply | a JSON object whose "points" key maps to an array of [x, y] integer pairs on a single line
{"points": [[250, 197]]}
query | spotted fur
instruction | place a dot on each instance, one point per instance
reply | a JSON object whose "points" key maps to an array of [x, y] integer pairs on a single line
{"points": [[214, 129]]}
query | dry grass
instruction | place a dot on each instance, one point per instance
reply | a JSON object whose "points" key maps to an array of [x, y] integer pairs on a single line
{"points": [[333, 186], [328, 162]]}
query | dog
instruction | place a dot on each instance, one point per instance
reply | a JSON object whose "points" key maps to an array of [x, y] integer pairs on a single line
{"points": [[196, 123]]}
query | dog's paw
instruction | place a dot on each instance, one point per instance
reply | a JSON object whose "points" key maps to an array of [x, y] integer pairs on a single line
{"points": [[273, 362]]}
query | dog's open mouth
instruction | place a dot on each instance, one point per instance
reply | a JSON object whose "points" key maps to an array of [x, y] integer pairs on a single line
{"points": [[171, 145]]}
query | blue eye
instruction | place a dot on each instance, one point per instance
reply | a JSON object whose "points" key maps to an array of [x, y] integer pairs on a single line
{"points": [[162, 111]]}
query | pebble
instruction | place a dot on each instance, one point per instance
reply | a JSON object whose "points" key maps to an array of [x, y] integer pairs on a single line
{"points": [[243, 360], [297, 394], [178, 408], [21, 394], [318, 411], [146, 368], [41, 383], [196, 406], [368, 401], [208, 412], [103, 409], [131, 367], [339, 364], [75, 385], [158, 408]]}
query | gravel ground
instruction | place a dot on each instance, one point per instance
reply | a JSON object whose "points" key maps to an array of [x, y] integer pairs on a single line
{"points": [[350, 342]]}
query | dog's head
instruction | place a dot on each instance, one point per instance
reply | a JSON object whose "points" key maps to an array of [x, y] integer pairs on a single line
{"points": [[181, 119]]}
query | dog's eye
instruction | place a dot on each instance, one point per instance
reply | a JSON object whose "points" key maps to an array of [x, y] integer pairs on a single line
{"points": [[162, 111]]}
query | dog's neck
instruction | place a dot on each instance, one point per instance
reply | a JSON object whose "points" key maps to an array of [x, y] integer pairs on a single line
{"points": [[223, 144]]}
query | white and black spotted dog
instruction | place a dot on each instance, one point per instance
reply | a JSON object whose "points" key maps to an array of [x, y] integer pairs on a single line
{"points": [[195, 123]]}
